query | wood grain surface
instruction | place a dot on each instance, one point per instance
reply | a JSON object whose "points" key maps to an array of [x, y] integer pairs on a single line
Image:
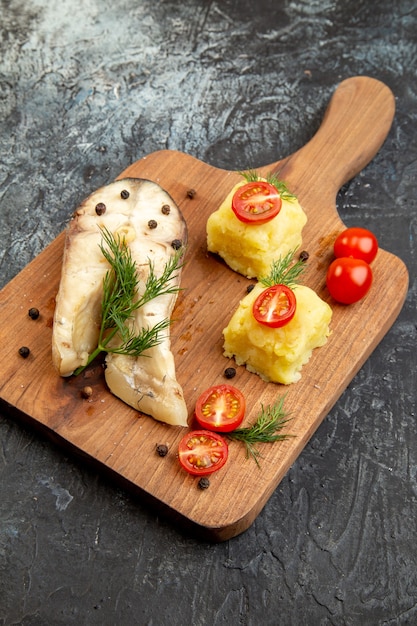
{"points": [[122, 441]]}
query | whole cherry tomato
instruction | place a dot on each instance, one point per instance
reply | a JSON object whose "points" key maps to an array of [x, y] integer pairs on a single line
{"points": [[202, 452], [275, 306], [220, 408], [256, 202], [356, 242], [348, 279]]}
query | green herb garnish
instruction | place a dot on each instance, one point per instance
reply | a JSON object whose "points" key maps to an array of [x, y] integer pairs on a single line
{"points": [[284, 271], [252, 176], [121, 300], [266, 429]]}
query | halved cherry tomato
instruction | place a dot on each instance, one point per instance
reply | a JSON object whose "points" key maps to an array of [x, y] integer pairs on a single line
{"points": [[202, 452], [357, 242], [256, 202], [220, 408], [348, 279], [275, 306]]}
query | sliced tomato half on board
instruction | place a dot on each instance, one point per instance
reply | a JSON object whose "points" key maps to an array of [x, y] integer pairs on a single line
{"points": [[202, 452], [220, 408]]}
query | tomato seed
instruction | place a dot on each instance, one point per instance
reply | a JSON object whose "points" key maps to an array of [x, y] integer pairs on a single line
{"points": [[86, 392]]}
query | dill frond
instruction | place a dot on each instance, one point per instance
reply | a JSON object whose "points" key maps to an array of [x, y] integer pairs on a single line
{"points": [[120, 300], [252, 176], [284, 271], [266, 429]]}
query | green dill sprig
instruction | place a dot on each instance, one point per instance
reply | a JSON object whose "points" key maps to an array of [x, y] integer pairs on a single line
{"points": [[134, 345], [119, 284], [281, 186], [252, 176], [284, 271], [266, 429], [120, 300], [161, 285]]}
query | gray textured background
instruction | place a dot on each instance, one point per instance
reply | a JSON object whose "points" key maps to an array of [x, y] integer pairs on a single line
{"points": [[86, 88]]}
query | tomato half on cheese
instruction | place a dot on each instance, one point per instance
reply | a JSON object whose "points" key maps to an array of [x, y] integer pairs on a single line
{"points": [[202, 452], [256, 202], [275, 306], [220, 408]]}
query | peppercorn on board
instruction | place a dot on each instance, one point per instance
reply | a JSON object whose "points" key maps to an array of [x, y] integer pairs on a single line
{"points": [[104, 430]]}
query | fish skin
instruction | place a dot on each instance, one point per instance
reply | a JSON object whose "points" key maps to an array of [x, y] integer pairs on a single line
{"points": [[147, 383]]}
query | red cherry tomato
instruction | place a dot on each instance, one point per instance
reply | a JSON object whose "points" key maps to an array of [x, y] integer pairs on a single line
{"points": [[202, 452], [275, 306], [256, 202], [220, 408], [348, 279], [357, 242]]}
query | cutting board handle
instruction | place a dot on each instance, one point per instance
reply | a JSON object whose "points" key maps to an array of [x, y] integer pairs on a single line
{"points": [[354, 127]]}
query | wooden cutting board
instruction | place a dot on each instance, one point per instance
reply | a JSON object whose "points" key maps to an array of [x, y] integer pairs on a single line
{"points": [[121, 441]]}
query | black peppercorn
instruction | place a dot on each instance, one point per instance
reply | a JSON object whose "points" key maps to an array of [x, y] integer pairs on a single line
{"points": [[24, 352], [191, 193], [304, 255], [176, 244], [230, 372], [162, 449], [166, 209], [124, 194], [204, 482], [100, 208], [33, 313], [152, 224], [250, 287]]}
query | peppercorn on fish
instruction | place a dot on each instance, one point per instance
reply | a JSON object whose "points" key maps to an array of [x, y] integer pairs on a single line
{"points": [[141, 214]]}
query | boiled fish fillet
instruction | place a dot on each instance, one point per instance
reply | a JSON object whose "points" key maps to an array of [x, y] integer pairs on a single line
{"points": [[142, 213]]}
